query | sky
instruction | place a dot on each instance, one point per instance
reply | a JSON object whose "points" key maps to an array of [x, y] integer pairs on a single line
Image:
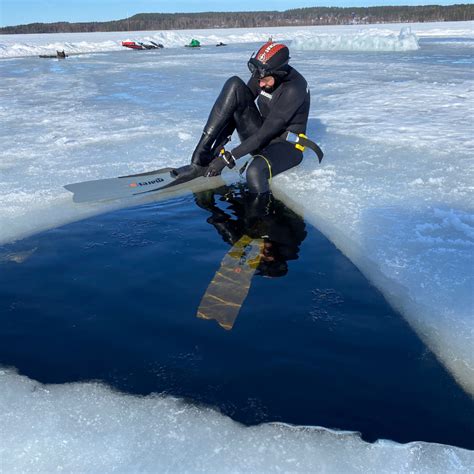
{"points": [[17, 12]]}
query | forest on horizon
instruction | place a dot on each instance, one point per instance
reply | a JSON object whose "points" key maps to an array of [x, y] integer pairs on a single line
{"points": [[294, 17]]}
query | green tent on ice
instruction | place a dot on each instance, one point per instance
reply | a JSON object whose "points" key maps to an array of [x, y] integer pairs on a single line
{"points": [[194, 43]]}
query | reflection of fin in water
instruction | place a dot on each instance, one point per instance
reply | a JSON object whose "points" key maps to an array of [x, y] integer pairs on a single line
{"points": [[18, 257], [231, 283]]}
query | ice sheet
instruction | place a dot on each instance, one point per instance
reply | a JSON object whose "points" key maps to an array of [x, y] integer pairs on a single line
{"points": [[36, 44], [89, 428], [394, 192], [364, 40]]}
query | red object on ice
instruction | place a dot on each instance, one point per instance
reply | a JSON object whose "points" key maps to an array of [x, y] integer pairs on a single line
{"points": [[132, 45]]}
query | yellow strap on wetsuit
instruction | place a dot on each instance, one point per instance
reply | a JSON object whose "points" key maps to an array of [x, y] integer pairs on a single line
{"points": [[297, 145], [269, 166], [301, 141]]}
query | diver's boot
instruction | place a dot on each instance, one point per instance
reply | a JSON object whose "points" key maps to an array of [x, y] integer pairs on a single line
{"points": [[206, 150], [211, 141], [234, 102], [202, 154], [188, 172]]}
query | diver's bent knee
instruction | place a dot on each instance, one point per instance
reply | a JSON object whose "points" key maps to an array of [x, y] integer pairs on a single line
{"points": [[234, 82], [258, 175], [254, 170]]}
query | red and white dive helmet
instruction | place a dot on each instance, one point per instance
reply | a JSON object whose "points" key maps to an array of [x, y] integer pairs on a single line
{"points": [[270, 60]]}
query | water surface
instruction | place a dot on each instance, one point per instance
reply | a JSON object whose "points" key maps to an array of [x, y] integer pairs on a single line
{"points": [[115, 298]]}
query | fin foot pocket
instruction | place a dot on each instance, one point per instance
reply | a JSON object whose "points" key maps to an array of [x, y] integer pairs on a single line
{"points": [[188, 172]]}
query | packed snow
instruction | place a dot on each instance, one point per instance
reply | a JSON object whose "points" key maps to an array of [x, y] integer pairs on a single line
{"points": [[368, 40], [89, 428], [391, 37], [394, 193]]}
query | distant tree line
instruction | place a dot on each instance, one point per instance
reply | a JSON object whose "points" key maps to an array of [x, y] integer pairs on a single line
{"points": [[293, 17]]}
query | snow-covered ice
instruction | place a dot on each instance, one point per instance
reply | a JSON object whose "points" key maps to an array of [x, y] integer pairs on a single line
{"points": [[383, 36], [89, 428], [394, 193], [363, 40]]}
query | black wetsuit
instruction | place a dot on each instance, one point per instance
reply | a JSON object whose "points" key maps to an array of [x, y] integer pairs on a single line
{"points": [[283, 108]]}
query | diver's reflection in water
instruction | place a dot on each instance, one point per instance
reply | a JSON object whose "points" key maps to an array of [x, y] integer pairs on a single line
{"points": [[263, 234]]}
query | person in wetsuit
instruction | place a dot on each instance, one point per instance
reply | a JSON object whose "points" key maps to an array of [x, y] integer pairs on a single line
{"points": [[283, 101]]}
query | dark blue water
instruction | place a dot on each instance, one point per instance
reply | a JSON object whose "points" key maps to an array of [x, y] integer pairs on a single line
{"points": [[114, 298]]}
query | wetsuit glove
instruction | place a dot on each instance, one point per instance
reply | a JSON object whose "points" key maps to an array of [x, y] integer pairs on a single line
{"points": [[224, 159]]}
